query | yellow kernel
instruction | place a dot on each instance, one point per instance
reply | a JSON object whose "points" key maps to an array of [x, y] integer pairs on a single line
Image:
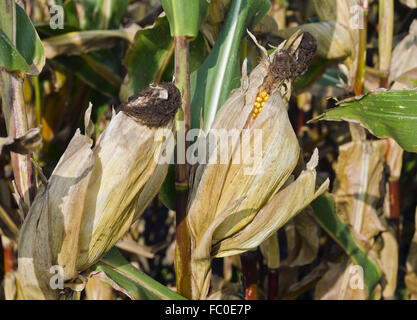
{"points": [[257, 104], [266, 97], [259, 99], [264, 94], [262, 103], [256, 111]]}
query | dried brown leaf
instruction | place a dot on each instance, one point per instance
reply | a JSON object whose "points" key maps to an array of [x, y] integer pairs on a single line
{"points": [[404, 65]]}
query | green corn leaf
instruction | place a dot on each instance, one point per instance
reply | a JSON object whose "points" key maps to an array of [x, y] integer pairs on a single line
{"points": [[90, 70], [135, 282], [220, 73], [80, 42], [326, 216], [28, 54], [151, 57], [148, 57], [385, 113], [184, 16]]}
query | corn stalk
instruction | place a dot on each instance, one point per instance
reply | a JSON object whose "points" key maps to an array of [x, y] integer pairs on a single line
{"points": [[14, 109]]}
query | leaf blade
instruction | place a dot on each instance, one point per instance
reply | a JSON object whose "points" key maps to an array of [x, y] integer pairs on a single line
{"points": [[325, 214]]}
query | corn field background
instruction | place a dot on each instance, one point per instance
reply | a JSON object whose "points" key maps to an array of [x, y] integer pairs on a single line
{"points": [[89, 89]]}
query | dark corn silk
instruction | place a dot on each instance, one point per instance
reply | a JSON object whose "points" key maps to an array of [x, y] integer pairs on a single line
{"points": [[154, 106], [286, 66]]}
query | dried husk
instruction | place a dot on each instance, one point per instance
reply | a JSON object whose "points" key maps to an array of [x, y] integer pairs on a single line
{"points": [[360, 172], [90, 201], [410, 3], [230, 211]]}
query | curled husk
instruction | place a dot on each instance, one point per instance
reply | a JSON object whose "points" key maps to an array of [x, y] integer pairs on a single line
{"points": [[92, 198], [231, 211]]}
